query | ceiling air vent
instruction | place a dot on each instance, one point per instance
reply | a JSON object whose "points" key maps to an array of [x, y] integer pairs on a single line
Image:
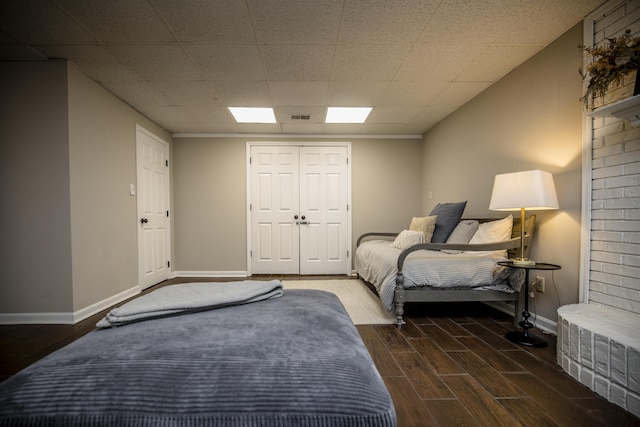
{"points": [[301, 117]]}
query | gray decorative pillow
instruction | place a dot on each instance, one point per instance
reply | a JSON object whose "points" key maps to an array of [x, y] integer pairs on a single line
{"points": [[462, 234], [448, 217]]}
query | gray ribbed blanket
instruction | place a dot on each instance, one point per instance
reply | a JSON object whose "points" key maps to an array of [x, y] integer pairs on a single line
{"points": [[297, 360], [189, 297]]}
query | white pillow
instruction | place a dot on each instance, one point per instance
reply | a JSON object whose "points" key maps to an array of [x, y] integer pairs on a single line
{"points": [[493, 231], [408, 238]]}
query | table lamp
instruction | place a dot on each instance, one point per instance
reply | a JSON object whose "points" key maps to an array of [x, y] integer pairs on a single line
{"points": [[533, 190]]}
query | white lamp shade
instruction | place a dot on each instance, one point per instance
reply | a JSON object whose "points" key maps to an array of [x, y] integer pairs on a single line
{"points": [[532, 190]]}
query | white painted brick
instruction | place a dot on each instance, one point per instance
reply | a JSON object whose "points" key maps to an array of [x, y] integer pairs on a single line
{"points": [[574, 369], [574, 342], [601, 386], [633, 370], [587, 377], [610, 236], [586, 348], [633, 404], [618, 363], [618, 395], [565, 362], [623, 181], [607, 214], [626, 203], [601, 355]]}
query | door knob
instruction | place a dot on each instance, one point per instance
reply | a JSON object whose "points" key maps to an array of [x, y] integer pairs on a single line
{"points": [[295, 217], [303, 217], [144, 221]]}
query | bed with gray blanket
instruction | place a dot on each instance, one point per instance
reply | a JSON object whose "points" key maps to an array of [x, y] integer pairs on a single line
{"points": [[263, 358], [442, 272]]}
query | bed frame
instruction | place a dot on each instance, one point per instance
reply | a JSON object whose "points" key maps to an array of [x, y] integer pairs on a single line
{"points": [[426, 294]]}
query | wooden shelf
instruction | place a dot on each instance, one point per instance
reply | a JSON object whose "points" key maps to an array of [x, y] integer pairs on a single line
{"points": [[627, 109]]}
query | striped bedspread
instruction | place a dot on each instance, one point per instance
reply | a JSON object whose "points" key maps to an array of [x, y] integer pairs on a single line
{"points": [[296, 360], [376, 262]]}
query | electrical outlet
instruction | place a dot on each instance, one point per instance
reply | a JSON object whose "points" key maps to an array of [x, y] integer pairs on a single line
{"points": [[540, 284]]}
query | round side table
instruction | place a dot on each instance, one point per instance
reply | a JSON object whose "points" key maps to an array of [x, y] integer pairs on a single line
{"points": [[524, 338]]}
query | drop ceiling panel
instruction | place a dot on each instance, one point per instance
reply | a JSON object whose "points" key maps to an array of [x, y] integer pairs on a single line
{"points": [[391, 115], [355, 93], [495, 62], [412, 93], [40, 23], [165, 62], [94, 60], [183, 93], [243, 93], [386, 21], [434, 63], [369, 62], [314, 21], [118, 21], [232, 62], [206, 20], [298, 93], [298, 61], [183, 62]]}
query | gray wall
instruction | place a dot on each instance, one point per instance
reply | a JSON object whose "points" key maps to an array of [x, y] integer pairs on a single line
{"points": [[210, 196], [68, 222], [34, 189], [530, 119], [102, 153]]}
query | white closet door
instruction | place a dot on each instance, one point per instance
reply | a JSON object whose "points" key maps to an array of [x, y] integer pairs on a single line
{"points": [[323, 210], [299, 210], [274, 203]]}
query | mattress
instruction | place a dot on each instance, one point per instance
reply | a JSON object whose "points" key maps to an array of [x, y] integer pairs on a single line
{"points": [[294, 360]]}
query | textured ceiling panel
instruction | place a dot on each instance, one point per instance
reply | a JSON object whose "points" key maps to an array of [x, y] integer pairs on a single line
{"points": [[206, 20], [298, 61], [183, 62], [118, 21], [314, 21], [386, 21]]}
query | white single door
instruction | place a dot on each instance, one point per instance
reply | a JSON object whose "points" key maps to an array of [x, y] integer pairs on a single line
{"points": [[324, 212], [154, 245], [298, 210], [274, 205]]}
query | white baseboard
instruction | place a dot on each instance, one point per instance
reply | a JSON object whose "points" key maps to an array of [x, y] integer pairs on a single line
{"points": [[104, 304], [66, 318], [211, 274], [542, 323]]}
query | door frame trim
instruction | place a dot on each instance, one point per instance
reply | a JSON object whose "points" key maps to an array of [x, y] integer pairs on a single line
{"points": [[250, 144]]}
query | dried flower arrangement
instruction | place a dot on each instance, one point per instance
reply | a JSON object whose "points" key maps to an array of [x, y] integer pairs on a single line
{"points": [[611, 63]]}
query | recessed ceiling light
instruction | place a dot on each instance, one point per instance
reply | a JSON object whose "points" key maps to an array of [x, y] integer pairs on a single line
{"points": [[347, 114], [253, 114]]}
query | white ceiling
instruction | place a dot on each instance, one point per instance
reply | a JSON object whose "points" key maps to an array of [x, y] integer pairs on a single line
{"points": [[182, 62]]}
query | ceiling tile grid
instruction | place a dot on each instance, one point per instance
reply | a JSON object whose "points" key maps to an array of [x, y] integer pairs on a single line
{"points": [[182, 62]]}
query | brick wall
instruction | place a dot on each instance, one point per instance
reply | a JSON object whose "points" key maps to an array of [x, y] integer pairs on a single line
{"points": [[598, 342], [614, 273]]}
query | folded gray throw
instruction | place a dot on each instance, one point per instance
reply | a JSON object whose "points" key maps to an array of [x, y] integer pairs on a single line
{"points": [[190, 297]]}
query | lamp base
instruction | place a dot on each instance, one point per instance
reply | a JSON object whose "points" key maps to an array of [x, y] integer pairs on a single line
{"points": [[523, 262]]}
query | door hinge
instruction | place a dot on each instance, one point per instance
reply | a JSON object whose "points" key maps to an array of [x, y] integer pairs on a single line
{"points": [[249, 160], [167, 214], [250, 254], [169, 264], [166, 163]]}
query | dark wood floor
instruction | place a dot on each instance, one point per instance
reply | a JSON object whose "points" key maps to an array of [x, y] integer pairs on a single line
{"points": [[449, 366]]}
